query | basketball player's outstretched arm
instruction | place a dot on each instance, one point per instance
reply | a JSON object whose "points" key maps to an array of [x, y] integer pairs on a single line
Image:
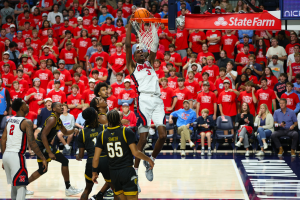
{"points": [[154, 48], [129, 63], [28, 126], [136, 153]]}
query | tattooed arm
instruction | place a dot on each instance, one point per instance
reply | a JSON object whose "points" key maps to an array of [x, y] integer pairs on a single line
{"points": [[28, 127]]}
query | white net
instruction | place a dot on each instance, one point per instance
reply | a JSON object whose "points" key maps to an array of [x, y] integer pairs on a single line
{"points": [[147, 35]]}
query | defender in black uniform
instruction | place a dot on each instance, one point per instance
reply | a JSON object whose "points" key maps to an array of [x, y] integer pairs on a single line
{"points": [[86, 141], [50, 128], [120, 145]]}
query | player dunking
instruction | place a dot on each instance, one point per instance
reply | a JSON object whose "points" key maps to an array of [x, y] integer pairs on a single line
{"points": [[86, 141], [149, 104], [13, 148], [119, 143], [49, 130]]}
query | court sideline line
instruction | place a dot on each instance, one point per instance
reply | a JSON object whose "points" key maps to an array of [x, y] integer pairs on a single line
{"points": [[240, 180]]}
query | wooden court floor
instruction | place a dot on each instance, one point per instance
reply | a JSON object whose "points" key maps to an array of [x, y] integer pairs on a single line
{"points": [[173, 178]]}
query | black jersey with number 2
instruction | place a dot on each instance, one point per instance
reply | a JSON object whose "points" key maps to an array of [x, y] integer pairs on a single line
{"points": [[87, 139], [115, 141]]}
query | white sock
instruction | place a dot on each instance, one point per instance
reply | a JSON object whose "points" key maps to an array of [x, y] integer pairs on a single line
{"points": [[203, 148], [209, 148], [152, 158], [67, 146], [136, 171], [21, 192]]}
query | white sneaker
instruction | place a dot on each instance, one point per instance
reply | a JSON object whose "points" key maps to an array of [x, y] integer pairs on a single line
{"points": [[72, 191], [202, 152], [238, 144], [265, 145], [247, 153], [182, 153], [148, 172], [260, 153], [77, 152], [28, 192], [209, 152], [137, 184], [192, 144]]}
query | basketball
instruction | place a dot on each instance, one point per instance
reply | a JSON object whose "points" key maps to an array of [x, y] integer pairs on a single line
{"points": [[141, 13]]}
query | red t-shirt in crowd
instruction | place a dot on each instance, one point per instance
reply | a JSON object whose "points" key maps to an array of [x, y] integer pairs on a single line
{"points": [[7, 79], [66, 77], [31, 116], [228, 43], [164, 41], [126, 8], [74, 100], [260, 56], [88, 95], [253, 79], [27, 34], [117, 88], [118, 62], [241, 58], [172, 82], [228, 102], [163, 65], [212, 87], [112, 49], [213, 72], [27, 68], [182, 95], [20, 42], [167, 95], [246, 97], [220, 86], [103, 55], [160, 73], [193, 87], [272, 80], [49, 56], [265, 97], [80, 85], [102, 72], [125, 95], [15, 95], [196, 45], [120, 30], [262, 34], [215, 47], [63, 29], [290, 48], [295, 69], [12, 66], [202, 54], [45, 76], [176, 58], [181, 41], [82, 45], [68, 56], [57, 96], [106, 39], [112, 102], [51, 85], [23, 84], [292, 100], [2, 49], [33, 100], [240, 48], [207, 100], [87, 21], [95, 31]]}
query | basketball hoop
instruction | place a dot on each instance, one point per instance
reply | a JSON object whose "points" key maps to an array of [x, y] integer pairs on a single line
{"points": [[146, 36]]}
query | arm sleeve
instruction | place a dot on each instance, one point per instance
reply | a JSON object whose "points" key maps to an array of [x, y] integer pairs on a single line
{"points": [[7, 96], [130, 136], [80, 140]]}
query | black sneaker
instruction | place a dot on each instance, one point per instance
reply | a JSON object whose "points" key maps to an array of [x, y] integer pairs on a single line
{"points": [[109, 194], [96, 198]]}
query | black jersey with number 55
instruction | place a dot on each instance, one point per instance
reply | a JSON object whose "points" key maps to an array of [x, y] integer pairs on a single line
{"points": [[87, 139], [115, 141]]}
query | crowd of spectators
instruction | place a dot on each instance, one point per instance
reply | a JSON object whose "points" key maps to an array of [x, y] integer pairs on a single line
{"points": [[57, 51]]}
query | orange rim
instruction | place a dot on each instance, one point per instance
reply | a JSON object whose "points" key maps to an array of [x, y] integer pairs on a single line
{"points": [[157, 20]]}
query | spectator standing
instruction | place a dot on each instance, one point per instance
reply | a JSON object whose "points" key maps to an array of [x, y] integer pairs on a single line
{"points": [[248, 97], [214, 37], [268, 74], [69, 55], [6, 11], [181, 41], [182, 94], [69, 122], [4, 101], [292, 98], [266, 96], [286, 120], [294, 68], [226, 6], [168, 96], [294, 41], [204, 53], [211, 69], [291, 57], [243, 33], [222, 62], [196, 39], [255, 67], [175, 57], [112, 101], [228, 43], [265, 123], [35, 96], [245, 121], [52, 15], [207, 100], [261, 51], [44, 74], [280, 87], [43, 115], [127, 95], [88, 94], [74, 101], [219, 82], [165, 37], [276, 67], [275, 49], [57, 95], [186, 117]]}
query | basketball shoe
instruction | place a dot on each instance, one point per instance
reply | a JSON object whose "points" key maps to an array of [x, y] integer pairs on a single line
{"points": [[72, 191], [148, 172]]}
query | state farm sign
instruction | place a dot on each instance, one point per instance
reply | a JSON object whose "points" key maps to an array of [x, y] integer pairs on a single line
{"points": [[247, 21]]}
